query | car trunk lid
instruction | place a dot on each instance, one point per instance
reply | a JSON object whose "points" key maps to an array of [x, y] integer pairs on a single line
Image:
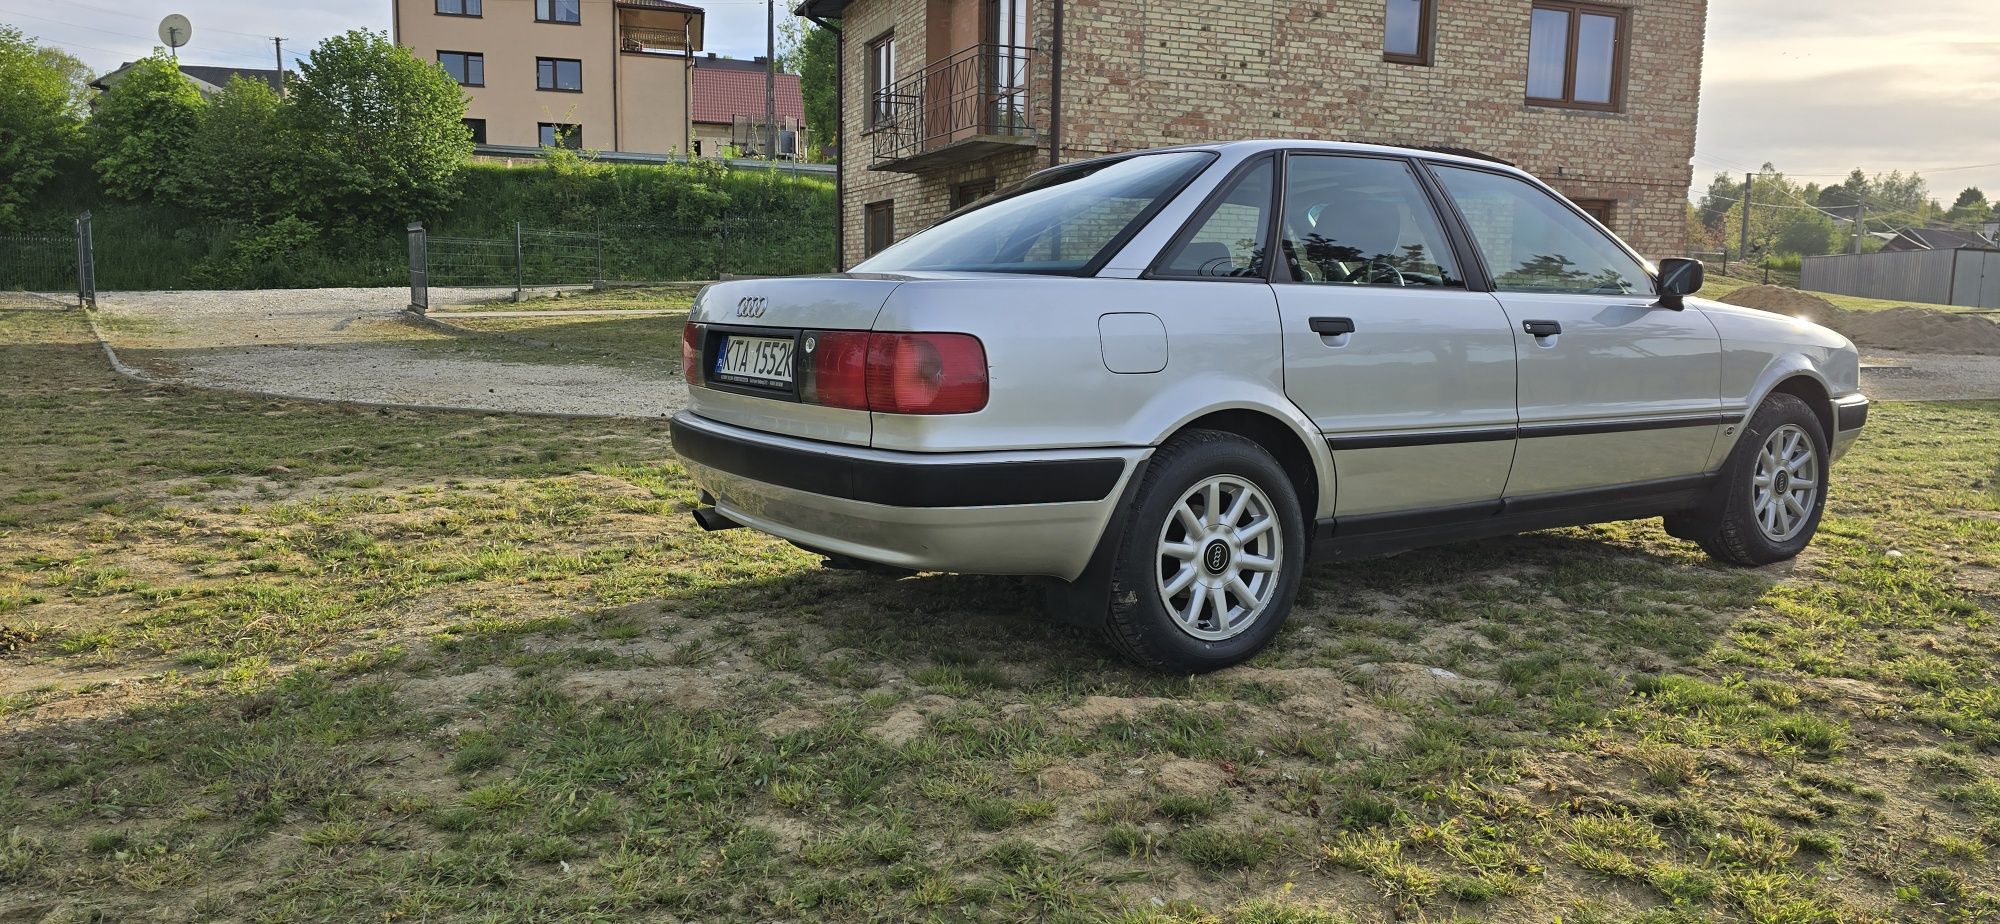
{"points": [[755, 339]]}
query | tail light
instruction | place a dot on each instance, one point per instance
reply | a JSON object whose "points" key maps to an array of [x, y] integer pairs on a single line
{"points": [[926, 373], [691, 353], [898, 373]]}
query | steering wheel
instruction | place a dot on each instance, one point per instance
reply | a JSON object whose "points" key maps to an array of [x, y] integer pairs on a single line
{"points": [[1371, 274]]}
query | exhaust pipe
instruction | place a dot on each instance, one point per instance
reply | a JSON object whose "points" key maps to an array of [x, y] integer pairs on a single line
{"points": [[712, 520]]}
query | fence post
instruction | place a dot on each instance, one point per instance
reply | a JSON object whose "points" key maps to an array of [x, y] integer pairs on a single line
{"points": [[420, 269], [598, 283], [520, 270], [86, 263]]}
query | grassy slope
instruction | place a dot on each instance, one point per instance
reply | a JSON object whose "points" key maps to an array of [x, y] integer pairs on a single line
{"points": [[289, 661]]}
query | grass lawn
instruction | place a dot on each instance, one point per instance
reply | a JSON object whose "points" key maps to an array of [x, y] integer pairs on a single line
{"points": [[672, 298], [277, 661]]}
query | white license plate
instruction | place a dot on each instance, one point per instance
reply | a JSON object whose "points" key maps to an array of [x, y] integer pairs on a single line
{"points": [[755, 360]]}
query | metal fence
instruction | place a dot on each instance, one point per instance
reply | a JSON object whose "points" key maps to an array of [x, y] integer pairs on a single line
{"points": [[1966, 278], [617, 254], [48, 264]]}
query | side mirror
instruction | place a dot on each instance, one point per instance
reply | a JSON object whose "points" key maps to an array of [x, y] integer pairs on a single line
{"points": [[1680, 278]]}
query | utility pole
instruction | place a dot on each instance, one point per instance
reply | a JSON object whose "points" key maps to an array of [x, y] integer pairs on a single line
{"points": [[1860, 222], [771, 79], [279, 44], [1749, 185]]}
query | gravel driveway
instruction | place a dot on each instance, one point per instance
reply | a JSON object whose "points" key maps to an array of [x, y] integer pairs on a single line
{"points": [[354, 345]]}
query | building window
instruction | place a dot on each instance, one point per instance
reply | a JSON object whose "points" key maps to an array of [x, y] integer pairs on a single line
{"points": [[560, 74], [562, 135], [878, 226], [466, 67], [1600, 209], [1406, 39], [966, 193], [563, 11], [1576, 56], [881, 77], [458, 7], [477, 127]]}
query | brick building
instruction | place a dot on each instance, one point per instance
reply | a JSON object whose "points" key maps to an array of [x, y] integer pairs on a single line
{"points": [[945, 100]]}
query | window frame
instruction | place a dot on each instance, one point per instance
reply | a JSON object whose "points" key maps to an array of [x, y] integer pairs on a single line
{"points": [[468, 56], [875, 115], [967, 192], [1426, 34], [555, 75], [479, 134], [1462, 229], [869, 245], [468, 9], [576, 132], [1591, 207], [1620, 54], [1216, 198], [551, 5], [1472, 274]]}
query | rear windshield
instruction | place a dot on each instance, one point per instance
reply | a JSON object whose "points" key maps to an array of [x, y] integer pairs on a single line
{"points": [[1056, 222]]}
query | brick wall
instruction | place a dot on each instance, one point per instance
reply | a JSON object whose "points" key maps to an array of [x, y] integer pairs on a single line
{"points": [[1147, 73]]}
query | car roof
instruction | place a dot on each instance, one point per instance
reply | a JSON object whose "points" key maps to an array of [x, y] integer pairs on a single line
{"points": [[1253, 146]]}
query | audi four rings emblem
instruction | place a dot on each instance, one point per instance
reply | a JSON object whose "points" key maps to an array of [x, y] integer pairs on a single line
{"points": [[752, 307]]}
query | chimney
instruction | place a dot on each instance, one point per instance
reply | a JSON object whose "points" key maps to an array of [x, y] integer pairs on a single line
{"points": [[711, 56], [761, 59]]}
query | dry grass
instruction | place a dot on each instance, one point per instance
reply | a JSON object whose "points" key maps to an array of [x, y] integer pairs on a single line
{"points": [[282, 661]]}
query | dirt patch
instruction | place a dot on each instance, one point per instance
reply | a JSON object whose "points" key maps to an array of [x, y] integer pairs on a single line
{"points": [[1910, 329], [1191, 777]]}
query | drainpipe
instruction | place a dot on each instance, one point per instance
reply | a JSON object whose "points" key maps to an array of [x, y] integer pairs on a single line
{"points": [[1055, 89], [617, 65]]}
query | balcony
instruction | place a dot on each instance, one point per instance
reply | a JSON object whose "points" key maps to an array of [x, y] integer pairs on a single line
{"points": [[971, 105], [653, 41]]}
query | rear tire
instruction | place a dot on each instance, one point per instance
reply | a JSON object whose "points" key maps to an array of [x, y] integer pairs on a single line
{"points": [[1773, 489], [1209, 563]]}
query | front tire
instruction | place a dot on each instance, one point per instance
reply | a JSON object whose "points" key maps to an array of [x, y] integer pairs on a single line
{"points": [[1209, 564], [1773, 490]]}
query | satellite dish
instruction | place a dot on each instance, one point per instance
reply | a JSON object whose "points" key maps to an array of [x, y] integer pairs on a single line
{"points": [[175, 30]]}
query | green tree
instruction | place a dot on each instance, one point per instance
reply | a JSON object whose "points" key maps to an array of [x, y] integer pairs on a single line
{"points": [[76, 78], [37, 123], [1970, 208], [812, 53], [235, 161], [1723, 192], [142, 130], [375, 135]]}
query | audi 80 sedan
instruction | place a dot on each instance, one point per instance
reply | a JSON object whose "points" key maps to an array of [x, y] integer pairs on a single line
{"points": [[1170, 379]]}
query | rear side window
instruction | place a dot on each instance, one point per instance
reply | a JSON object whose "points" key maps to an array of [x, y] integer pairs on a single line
{"points": [[1363, 221], [1532, 242], [1057, 222], [1232, 239]]}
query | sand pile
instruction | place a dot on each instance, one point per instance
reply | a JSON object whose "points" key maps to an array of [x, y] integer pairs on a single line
{"points": [[1913, 330]]}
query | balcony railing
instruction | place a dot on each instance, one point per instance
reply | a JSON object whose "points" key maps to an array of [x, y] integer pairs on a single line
{"points": [[974, 99], [653, 40]]}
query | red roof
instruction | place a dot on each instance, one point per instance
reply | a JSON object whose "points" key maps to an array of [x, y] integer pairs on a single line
{"points": [[721, 95]]}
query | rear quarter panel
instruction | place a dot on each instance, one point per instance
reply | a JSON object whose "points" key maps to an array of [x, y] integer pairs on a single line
{"points": [[1051, 387]]}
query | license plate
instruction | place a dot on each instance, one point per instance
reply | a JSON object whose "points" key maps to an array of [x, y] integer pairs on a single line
{"points": [[755, 360]]}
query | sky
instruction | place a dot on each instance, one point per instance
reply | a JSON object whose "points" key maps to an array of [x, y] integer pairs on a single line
{"points": [[1817, 87]]}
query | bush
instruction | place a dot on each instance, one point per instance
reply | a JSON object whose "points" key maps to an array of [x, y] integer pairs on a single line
{"points": [[235, 161], [377, 137], [37, 122], [143, 129]]}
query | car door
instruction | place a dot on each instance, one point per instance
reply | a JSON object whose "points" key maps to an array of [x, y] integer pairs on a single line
{"points": [[1408, 373], [1615, 388]]}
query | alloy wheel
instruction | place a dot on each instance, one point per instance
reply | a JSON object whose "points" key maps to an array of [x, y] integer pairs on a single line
{"points": [[1786, 484], [1219, 555]]}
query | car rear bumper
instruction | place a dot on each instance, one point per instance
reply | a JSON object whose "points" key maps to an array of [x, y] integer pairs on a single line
{"points": [[1850, 415], [1035, 513]]}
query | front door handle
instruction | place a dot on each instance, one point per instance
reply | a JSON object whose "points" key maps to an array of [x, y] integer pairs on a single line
{"points": [[1542, 328], [1332, 327]]}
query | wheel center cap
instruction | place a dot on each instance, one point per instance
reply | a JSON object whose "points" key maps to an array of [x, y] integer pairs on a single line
{"points": [[1783, 481], [1216, 557]]}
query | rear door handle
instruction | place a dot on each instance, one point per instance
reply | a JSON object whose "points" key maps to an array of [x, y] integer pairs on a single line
{"points": [[1542, 328], [1332, 327]]}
